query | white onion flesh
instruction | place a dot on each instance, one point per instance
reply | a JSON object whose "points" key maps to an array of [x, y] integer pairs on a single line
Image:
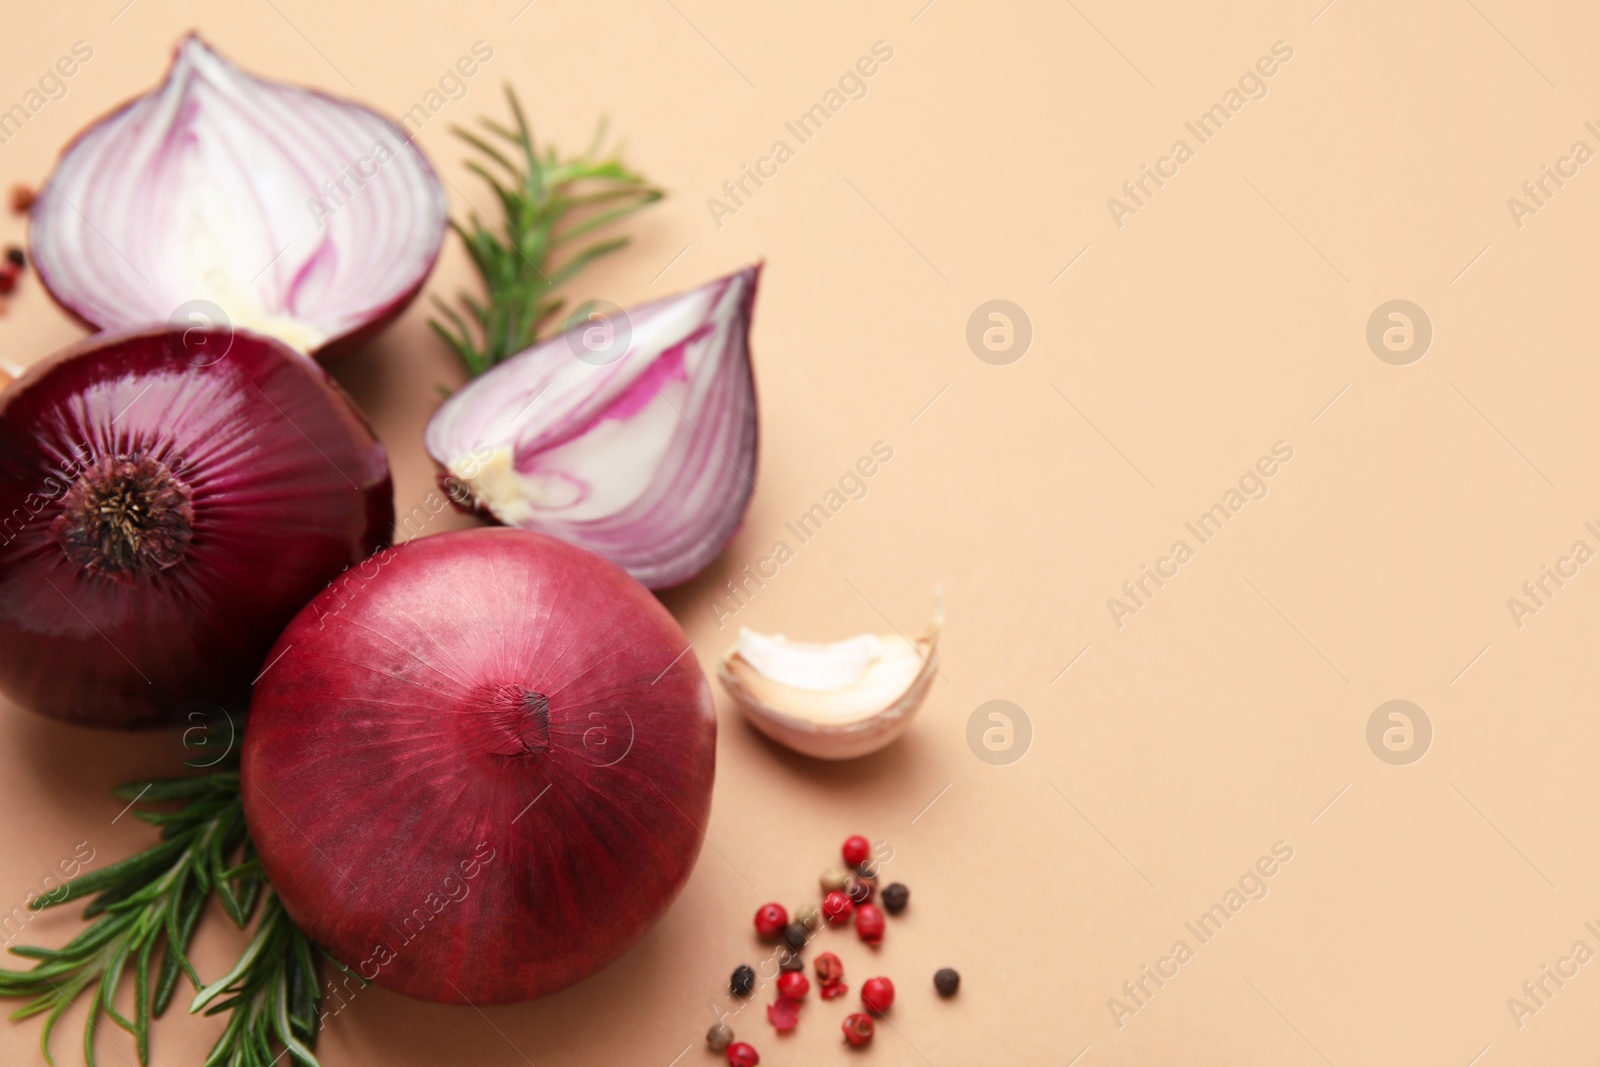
{"points": [[297, 214], [648, 460]]}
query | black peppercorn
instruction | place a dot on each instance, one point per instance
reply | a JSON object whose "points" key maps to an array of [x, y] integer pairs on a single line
{"points": [[795, 935], [859, 890], [14, 256], [743, 980], [946, 980], [790, 961], [895, 896]]}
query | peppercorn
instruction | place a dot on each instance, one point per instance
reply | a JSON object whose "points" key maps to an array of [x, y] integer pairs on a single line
{"points": [[8, 277], [743, 1054], [837, 908], [719, 1037], [743, 981], [829, 968], [834, 879], [869, 924], [895, 897], [770, 920], [947, 980], [793, 985], [857, 1029], [795, 935], [784, 1013], [856, 850], [790, 961], [809, 916], [15, 257], [878, 995], [858, 889], [21, 199]]}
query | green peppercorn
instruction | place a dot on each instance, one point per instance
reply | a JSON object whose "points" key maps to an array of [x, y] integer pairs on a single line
{"points": [[719, 1037], [809, 916], [795, 935], [834, 879], [895, 896], [946, 980], [743, 980]]}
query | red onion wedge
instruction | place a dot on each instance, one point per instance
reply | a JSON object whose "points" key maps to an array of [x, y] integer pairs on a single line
{"points": [[632, 435], [481, 775], [168, 500], [298, 215]]}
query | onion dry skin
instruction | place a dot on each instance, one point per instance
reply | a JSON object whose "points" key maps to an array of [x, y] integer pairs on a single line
{"points": [[480, 775], [168, 500]]}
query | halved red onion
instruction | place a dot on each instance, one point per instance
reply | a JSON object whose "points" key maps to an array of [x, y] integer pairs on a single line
{"points": [[485, 775], [299, 215], [168, 500], [633, 435]]}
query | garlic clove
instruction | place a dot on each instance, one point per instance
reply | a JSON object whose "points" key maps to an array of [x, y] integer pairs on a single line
{"points": [[832, 701], [818, 668]]}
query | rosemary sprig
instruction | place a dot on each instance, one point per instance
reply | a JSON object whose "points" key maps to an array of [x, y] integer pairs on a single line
{"points": [[144, 912], [548, 203]]}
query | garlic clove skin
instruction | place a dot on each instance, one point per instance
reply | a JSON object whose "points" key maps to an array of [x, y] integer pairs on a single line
{"points": [[832, 701]]}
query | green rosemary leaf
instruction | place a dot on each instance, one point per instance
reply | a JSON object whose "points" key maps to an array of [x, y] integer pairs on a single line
{"points": [[548, 204], [173, 962], [141, 1000], [239, 871], [124, 872], [152, 902], [108, 987], [62, 1000], [106, 897], [280, 1024], [177, 944], [100, 933], [587, 256], [241, 968], [486, 148]]}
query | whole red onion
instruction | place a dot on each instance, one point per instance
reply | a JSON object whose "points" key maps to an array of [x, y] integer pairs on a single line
{"points": [[481, 774], [168, 500]]}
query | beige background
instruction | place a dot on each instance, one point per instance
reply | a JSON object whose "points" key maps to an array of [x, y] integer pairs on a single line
{"points": [[1227, 314]]}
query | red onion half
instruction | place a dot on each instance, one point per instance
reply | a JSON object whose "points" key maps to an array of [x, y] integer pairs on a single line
{"points": [[168, 501], [632, 435], [480, 776], [298, 215]]}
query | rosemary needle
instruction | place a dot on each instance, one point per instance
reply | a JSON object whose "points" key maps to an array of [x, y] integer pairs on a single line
{"points": [[550, 207], [142, 916]]}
